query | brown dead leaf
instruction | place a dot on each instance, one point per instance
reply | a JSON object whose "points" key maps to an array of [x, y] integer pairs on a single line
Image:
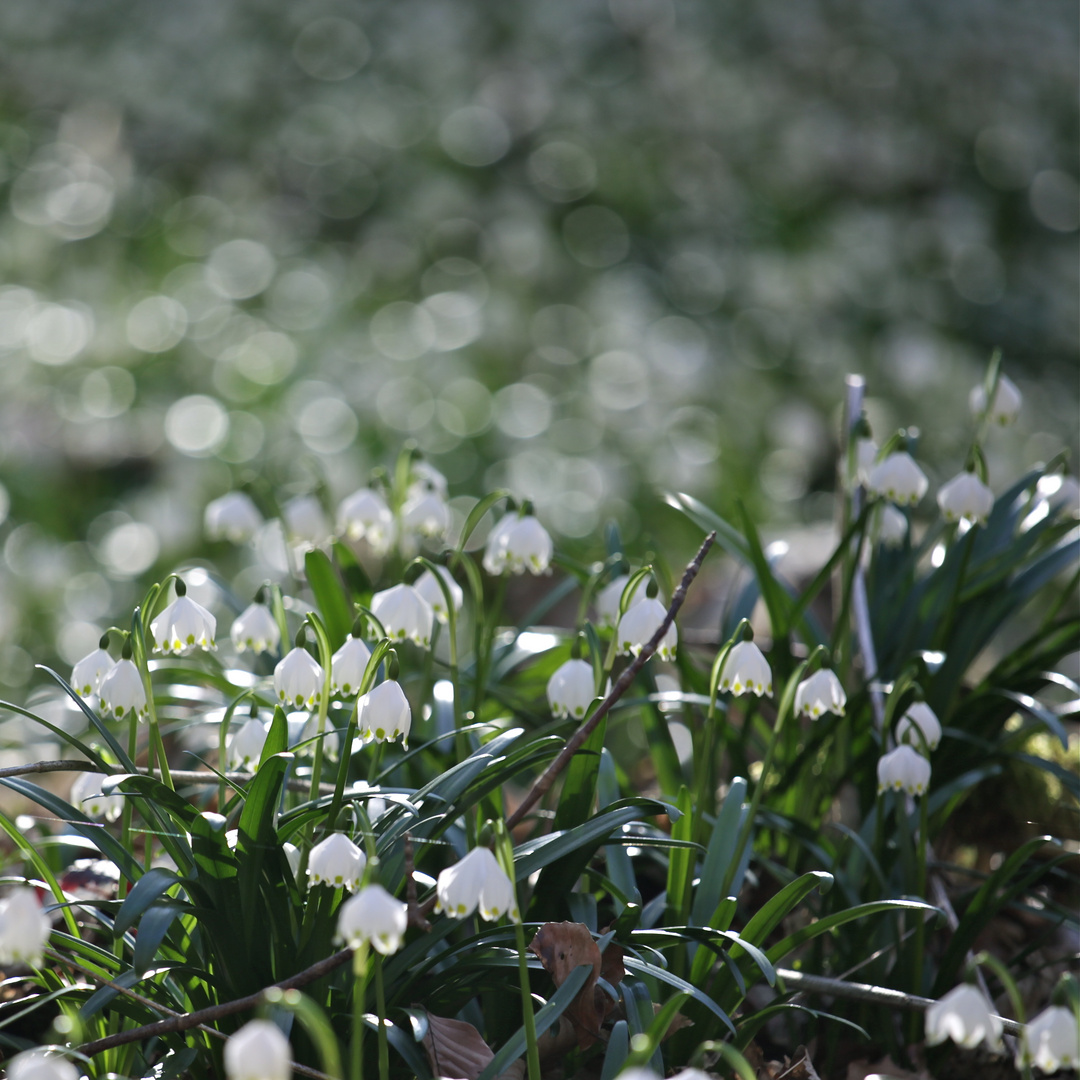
{"points": [[561, 948], [457, 1051], [797, 1067]]}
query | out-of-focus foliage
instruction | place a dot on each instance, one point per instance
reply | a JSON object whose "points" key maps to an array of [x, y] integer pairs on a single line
{"points": [[577, 249]]}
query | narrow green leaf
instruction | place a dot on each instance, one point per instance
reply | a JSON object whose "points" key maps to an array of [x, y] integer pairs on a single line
{"points": [[578, 794], [144, 892], [330, 598], [557, 1004]]}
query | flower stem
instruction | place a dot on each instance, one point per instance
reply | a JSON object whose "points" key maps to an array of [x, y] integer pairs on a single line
{"points": [[380, 1003], [356, 1071], [532, 1052]]}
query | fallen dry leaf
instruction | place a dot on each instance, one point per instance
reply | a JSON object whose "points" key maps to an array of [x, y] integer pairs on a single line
{"points": [[457, 1051], [564, 946]]}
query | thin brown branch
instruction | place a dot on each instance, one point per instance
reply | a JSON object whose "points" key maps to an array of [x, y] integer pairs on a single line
{"points": [[543, 784], [186, 1021]]}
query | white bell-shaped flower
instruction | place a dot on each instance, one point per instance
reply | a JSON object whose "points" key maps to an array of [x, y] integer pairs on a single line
{"points": [[426, 513], [424, 478], [746, 671], [364, 515], [86, 794], [258, 1051], [899, 479], [610, 596], [383, 713], [298, 679], [965, 496], [373, 917], [122, 692], [404, 614], [24, 928], [965, 1016], [255, 628], [246, 746], [184, 626], [337, 862], [41, 1065], [1007, 401], [637, 626], [516, 544], [87, 674], [233, 517], [903, 769], [428, 587], [348, 666], [305, 521], [570, 691], [1051, 1041], [892, 526], [919, 716], [819, 694], [476, 881]]}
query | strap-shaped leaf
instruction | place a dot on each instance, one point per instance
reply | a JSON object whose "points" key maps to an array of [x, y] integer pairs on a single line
{"points": [[329, 595], [154, 883]]}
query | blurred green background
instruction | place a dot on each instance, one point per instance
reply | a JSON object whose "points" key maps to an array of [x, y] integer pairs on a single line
{"points": [[585, 250]]}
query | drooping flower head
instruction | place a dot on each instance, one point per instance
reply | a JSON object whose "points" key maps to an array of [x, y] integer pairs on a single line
{"points": [[87, 674], [1051, 1041], [41, 1065], [364, 515], [86, 794], [246, 746], [305, 521], [373, 917], [746, 671], [892, 526], [255, 628], [426, 515], [637, 627], [965, 1016], [477, 880], [384, 713], [258, 1051], [966, 497], [233, 517], [609, 598], [517, 543], [24, 928], [428, 587], [348, 666], [1007, 401], [298, 679], [184, 625], [903, 769], [919, 717], [121, 691], [819, 694], [404, 614], [899, 479], [571, 689], [337, 862]]}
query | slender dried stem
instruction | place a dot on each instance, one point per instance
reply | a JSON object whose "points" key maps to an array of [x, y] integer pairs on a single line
{"points": [[543, 784]]}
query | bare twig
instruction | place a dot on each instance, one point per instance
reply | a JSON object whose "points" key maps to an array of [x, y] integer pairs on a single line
{"points": [[878, 995], [186, 1021], [303, 1070], [543, 784]]}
